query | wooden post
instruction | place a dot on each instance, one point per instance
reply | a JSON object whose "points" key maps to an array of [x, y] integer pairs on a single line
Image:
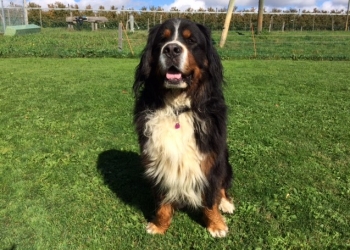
{"points": [[3, 15], [25, 12], [271, 22], [120, 37], [154, 18], [41, 20], [9, 17], [227, 23], [260, 16], [70, 25], [250, 21], [347, 17], [283, 24], [254, 44]]}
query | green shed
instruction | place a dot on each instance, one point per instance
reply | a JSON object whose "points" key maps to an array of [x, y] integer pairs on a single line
{"points": [[22, 29]]}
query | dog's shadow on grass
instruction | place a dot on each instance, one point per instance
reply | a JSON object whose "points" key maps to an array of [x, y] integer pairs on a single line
{"points": [[123, 174]]}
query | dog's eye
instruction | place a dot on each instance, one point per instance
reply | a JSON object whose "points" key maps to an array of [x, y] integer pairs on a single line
{"points": [[191, 40]]}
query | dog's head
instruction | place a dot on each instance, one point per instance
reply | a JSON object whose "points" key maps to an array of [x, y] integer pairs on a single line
{"points": [[178, 54]]}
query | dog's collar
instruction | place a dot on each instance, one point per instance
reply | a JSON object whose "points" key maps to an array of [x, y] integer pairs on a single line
{"points": [[179, 111]]}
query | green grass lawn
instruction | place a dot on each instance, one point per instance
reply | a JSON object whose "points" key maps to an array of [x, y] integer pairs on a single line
{"points": [[70, 177], [62, 43]]}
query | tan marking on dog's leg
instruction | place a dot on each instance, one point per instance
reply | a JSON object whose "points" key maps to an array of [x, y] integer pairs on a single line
{"points": [[162, 220], [207, 163], [226, 205], [215, 222]]}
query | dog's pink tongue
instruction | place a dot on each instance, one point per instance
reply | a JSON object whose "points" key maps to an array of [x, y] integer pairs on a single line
{"points": [[171, 76]]}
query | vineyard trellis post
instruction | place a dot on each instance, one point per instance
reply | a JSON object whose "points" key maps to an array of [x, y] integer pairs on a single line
{"points": [[3, 16], [227, 23], [347, 17], [41, 20], [25, 12], [271, 23], [260, 16], [120, 36]]}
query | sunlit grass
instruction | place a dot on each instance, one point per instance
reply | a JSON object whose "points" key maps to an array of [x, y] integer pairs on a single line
{"points": [[70, 177]]}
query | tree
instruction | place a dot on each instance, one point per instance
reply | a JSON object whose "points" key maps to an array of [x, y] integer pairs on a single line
{"points": [[275, 10], [210, 9], [174, 9], [88, 10], [34, 14]]}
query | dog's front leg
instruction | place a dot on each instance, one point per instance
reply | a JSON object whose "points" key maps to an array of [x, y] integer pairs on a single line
{"points": [[215, 222], [162, 220]]}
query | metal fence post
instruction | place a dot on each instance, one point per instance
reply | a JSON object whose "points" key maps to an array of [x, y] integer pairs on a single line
{"points": [[3, 16], [25, 12], [120, 37]]}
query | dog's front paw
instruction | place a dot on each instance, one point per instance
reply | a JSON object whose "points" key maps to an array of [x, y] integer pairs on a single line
{"points": [[218, 232], [226, 206], [153, 229], [216, 224]]}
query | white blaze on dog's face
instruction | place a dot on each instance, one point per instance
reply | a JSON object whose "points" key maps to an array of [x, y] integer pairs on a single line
{"points": [[181, 53]]}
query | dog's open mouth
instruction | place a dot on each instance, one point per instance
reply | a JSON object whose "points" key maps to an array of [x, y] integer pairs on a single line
{"points": [[175, 79]]}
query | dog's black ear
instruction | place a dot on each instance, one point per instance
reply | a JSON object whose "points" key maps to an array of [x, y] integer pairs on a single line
{"points": [[143, 70], [215, 66]]}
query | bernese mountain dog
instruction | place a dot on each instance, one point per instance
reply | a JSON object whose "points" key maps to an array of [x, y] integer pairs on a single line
{"points": [[180, 118]]}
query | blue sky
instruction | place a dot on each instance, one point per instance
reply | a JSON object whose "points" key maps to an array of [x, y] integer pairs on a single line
{"points": [[196, 4]]}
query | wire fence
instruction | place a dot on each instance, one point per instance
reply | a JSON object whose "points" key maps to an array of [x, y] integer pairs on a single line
{"points": [[11, 17], [144, 19], [292, 35]]}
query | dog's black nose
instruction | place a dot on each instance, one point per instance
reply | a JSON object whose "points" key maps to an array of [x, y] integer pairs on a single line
{"points": [[172, 50]]}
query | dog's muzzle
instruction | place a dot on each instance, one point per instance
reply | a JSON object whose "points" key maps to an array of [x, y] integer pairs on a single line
{"points": [[173, 58], [172, 50]]}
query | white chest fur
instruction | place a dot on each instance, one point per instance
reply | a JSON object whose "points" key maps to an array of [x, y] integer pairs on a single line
{"points": [[174, 158]]}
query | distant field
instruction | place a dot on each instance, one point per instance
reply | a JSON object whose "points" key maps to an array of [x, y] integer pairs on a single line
{"points": [[70, 175], [61, 43]]}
